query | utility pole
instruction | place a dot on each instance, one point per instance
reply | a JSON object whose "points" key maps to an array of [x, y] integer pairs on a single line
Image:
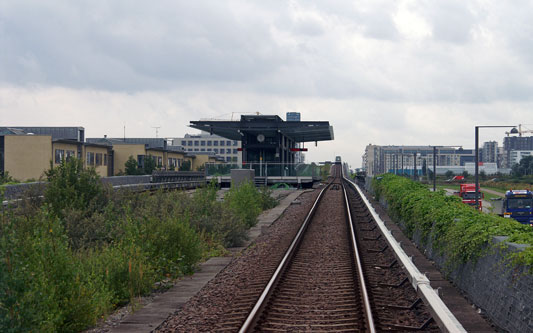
{"points": [[156, 130]]}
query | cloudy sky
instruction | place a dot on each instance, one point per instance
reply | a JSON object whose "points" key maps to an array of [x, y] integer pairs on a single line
{"points": [[382, 72]]}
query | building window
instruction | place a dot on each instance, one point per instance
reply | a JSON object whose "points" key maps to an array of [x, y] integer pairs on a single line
{"points": [[228, 151], [196, 143], [221, 151], [105, 159], [190, 143], [195, 149], [234, 142], [234, 158], [215, 143], [183, 142], [90, 158], [159, 161], [209, 142], [59, 156], [235, 151], [215, 150], [228, 143], [69, 154], [203, 149], [99, 159], [190, 149], [222, 142], [228, 159], [208, 149], [202, 143]]}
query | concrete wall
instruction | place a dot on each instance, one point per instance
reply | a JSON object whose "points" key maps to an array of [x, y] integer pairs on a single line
{"points": [[504, 292], [27, 156]]}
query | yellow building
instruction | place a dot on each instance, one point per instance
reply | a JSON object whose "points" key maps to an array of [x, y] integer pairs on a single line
{"points": [[65, 149], [98, 157], [174, 160], [121, 154], [26, 156]]}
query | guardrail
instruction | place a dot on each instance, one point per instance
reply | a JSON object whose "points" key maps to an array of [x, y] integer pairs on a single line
{"points": [[266, 169]]}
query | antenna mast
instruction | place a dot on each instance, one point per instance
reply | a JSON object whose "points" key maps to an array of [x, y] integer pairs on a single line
{"points": [[156, 130]]}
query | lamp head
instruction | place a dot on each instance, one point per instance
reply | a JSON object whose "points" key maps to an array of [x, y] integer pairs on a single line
{"points": [[514, 131]]}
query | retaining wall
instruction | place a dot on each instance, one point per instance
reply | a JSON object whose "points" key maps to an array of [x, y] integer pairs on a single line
{"points": [[503, 292]]}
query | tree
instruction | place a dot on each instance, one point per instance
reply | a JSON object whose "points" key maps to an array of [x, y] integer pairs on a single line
{"points": [[449, 174], [525, 167], [149, 164], [72, 186], [465, 174], [131, 166], [483, 175], [185, 166]]}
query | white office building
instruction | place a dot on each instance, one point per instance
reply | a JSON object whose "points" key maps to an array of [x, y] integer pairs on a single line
{"points": [[517, 155], [205, 142]]}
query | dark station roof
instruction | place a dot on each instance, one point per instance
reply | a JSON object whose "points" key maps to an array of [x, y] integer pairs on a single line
{"points": [[299, 131]]}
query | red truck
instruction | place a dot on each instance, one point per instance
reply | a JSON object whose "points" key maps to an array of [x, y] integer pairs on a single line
{"points": [[468, 193]]}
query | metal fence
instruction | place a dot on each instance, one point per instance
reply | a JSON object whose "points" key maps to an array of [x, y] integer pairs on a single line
{"points": [[266, 169]]}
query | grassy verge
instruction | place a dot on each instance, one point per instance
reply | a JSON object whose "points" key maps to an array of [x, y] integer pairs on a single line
{"points": [[71, 260], [457, 230]]}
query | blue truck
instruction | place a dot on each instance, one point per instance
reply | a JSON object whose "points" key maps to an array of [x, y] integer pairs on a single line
{"points": [[518, 204]]}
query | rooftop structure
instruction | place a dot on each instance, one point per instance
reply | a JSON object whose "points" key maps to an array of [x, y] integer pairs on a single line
{"points": [[267, 138]]}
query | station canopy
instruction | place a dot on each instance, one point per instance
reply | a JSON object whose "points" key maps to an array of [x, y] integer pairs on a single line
{"points": [[268, 125]]}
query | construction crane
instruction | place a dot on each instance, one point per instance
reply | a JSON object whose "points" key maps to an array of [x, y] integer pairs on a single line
{"points": [[520, 130]]}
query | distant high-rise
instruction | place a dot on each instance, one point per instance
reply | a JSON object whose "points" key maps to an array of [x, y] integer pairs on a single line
{"points": [[293, 116], [490, 152]]}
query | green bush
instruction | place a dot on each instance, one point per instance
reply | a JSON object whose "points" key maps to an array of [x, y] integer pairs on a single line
{"points": [[66, 264], [455, 229]]}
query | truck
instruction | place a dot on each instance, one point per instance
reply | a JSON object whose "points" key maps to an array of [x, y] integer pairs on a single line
{"points": [[467, 193], [518, 204]]}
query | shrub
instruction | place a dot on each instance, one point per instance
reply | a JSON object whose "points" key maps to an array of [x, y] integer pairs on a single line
{"points": [[456, 229], [70, 186]]}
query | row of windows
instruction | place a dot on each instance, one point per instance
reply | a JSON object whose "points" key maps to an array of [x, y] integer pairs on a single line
{"points": [[215, 150], [204, 143], [61, 154], [95, 159]]}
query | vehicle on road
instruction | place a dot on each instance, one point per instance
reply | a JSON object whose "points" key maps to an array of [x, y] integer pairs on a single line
{"points": [[518, 204], [467, 193]]}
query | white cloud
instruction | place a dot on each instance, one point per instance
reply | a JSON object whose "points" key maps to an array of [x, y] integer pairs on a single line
{"points": [[384, 72]]}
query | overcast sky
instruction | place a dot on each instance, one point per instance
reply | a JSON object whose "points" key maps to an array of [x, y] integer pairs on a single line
{"points": [[381, 72]]}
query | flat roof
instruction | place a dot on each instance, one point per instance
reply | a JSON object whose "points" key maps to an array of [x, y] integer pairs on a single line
{"points": [[299, 131]]}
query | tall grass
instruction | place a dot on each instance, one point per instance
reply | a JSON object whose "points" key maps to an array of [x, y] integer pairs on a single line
{"points": [[67, 263]]}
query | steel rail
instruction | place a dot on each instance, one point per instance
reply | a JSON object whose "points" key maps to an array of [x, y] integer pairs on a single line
{"points": [[261, 302], [442, 315], [366, 301]]}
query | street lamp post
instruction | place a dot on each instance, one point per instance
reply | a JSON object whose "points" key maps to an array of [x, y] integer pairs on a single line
{"points": [[476, 167]]}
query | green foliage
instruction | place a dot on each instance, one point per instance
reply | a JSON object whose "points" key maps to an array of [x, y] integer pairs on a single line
{"points": [[449, 174], [455, 229], [70, 186], [245, 202], [525, 167], [185, 166], [6, 178], [149, 165], [64, 271], [131, 167]]}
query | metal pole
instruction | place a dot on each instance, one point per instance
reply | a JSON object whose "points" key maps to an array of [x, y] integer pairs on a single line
{"points": [[434, 168], [402, 162], [476, 167], [414, 166]]}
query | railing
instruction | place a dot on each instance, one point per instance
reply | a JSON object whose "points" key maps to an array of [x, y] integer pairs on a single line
{"points": [[266, 169]]}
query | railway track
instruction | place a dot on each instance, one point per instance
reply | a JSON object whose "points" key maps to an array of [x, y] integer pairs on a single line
{"points": [[323, 283]]}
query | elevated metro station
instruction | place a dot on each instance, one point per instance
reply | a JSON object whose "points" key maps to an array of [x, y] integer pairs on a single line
{"points": [[269, 144]]}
